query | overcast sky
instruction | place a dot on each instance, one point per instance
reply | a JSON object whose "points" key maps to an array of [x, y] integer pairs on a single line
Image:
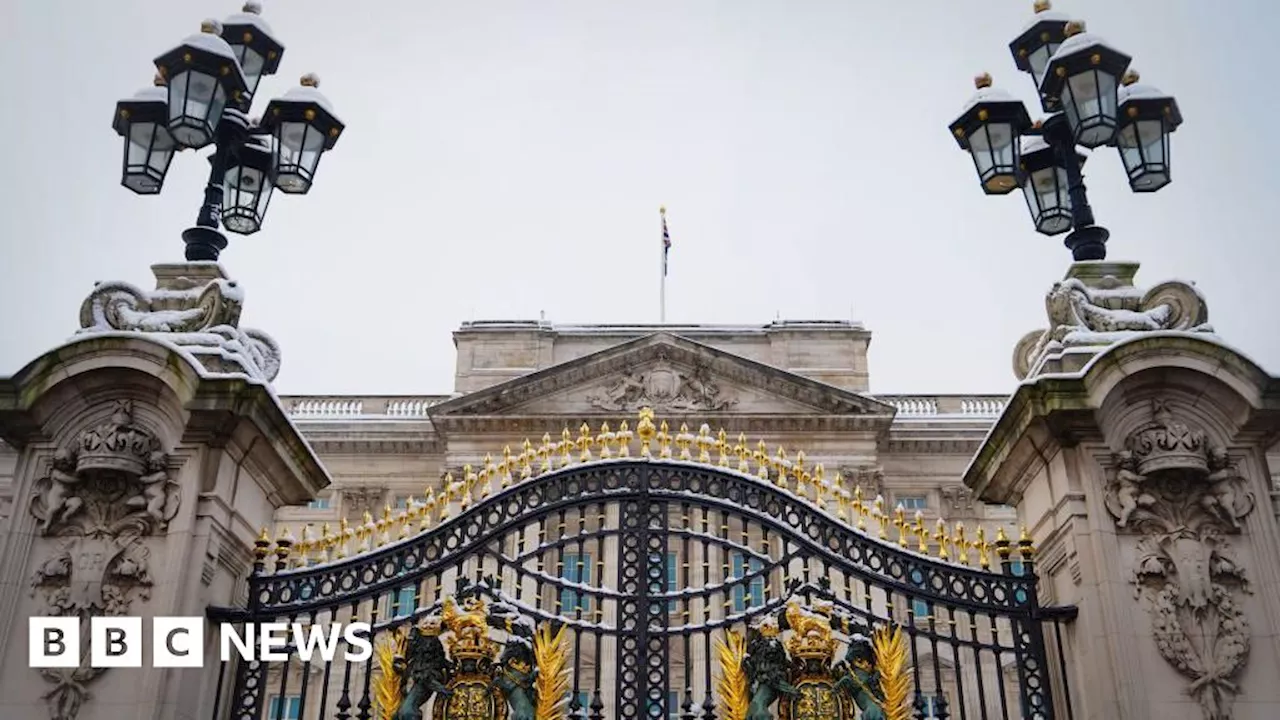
{"points": [[507, 158]]}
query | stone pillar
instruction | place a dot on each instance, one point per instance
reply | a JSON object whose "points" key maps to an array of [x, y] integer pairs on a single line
{"points": [[151, 448], [1136, 452]]}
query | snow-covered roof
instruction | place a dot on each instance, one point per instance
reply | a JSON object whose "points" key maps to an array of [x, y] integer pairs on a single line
{"points": [[211, 43], [1046, 16], [1138, 92], [988, 95], [1079, 43], [310, 94], [151, 94], [251, 15]]}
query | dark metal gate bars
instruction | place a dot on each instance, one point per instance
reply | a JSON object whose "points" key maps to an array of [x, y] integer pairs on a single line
{"points": [[649, 559]]}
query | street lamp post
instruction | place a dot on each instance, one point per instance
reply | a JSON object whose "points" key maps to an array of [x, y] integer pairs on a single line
{"points": [[1094, 100], [204, 88]]}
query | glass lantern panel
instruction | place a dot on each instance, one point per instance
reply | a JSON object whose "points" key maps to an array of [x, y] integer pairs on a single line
{"points": [[300, 145], [1151, 137], [240, 199], [1047, 199], [993, 154], [1089, 98], [196, 100], [1039, 61], [148, 150], [252, 63], [1130, 152]]}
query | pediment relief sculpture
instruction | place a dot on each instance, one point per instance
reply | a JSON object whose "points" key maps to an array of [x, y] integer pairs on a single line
{"points": [[1185, 496], [663, 387]]}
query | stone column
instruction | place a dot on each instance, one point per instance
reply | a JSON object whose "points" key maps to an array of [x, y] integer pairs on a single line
{"points": [[151, 448], [1136, 451]]}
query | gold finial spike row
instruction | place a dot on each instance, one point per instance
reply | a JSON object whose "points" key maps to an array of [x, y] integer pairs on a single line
{"points": [[683, 440], [605, 441], [1026, 547], [982, 80], [900, 522], [922, 534], [664, 440], [961, 544], [722, 448], [624, 439], [881, 518], [940, 536], [585, 441], [761, 457], [743, 453], [982, 546]]}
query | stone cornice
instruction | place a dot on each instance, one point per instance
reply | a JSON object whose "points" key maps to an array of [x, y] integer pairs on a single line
{"points": [[1060, 409], [509, 396], [534, 426]]}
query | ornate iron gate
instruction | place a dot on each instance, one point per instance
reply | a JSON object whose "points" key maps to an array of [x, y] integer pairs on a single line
{"points": [[655, 568]]}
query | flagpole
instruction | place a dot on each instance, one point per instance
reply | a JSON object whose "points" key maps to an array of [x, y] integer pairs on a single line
{"points": [[662, 268]]}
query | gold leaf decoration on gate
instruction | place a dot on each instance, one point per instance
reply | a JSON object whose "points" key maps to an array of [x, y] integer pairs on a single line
{"points": [[732, 687], [551, 654], [387, 690], [890, 647]]}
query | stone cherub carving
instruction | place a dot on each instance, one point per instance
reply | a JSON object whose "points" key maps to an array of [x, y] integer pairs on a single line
{"points": [[113, 479], [61, 501], [1224, 496], [1128, 492]]}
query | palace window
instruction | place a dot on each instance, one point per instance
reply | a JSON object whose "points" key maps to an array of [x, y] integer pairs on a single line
{"points": [[911, 503], [405, 601], [320, 503], [286, 708], [919, 608], [752, 594], [576, 568]]}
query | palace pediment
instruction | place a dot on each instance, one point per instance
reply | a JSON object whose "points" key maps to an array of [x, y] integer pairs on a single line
{"points": [[673, 375]]}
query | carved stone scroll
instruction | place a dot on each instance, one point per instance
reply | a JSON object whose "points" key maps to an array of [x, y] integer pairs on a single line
{"points": [[1104, 311]]}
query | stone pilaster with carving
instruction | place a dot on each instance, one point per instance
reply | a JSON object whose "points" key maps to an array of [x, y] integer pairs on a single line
{"points": [[1185, 497], [105, 491]]}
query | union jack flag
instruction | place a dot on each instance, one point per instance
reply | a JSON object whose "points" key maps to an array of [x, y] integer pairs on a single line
{"points": [[666, 241]]}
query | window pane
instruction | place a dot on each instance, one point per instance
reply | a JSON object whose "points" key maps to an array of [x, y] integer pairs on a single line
{"points": [[576, 568]]}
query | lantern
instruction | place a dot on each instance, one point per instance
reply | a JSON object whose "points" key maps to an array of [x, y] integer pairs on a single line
{"points": [[148, 148], [246, 187], [1147, 117], [304, 126], [1045, 186], [1038, 41], [989, 128], [203, 76], [1083, 75], [252, 43]]}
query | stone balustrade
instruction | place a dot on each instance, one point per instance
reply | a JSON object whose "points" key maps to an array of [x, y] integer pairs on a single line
{"points": [[353, 407], [356, 407], [923, 406]]}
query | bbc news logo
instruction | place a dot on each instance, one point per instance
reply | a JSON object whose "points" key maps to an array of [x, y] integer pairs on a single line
{"points": [[178, 642]]}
